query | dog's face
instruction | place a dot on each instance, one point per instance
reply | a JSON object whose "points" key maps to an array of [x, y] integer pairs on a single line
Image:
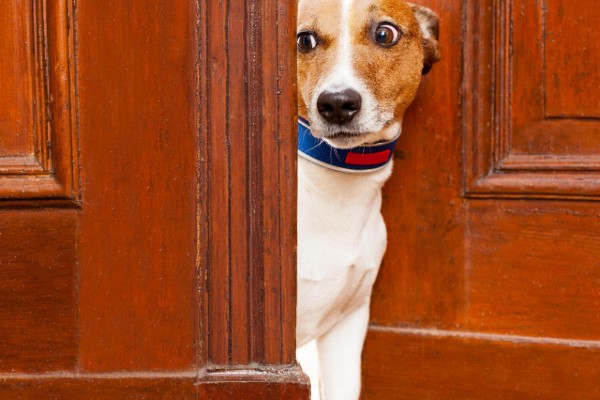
{"points": [[359, 65]]}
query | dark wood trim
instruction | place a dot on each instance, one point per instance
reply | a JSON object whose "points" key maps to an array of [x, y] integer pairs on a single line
{"points": [[176, 276], [274, 383], [494, 169], [38, 312], [464, 365], [136, 232], [277, 383], [51, 171], [247, 166], [180, 386]]}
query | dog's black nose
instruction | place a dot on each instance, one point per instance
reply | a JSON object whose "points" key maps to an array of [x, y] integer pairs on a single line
{"points": [[339, 107]]}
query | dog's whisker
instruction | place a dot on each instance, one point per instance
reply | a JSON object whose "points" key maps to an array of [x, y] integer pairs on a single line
{"points": [[317, 145], [337, 154]]}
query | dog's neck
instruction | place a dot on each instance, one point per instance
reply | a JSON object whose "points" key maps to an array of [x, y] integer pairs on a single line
{"points": [[328, 182], [336, 206], [341, 190]]}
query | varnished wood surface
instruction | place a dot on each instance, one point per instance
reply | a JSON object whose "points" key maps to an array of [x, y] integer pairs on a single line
{"points": [[18, 60], [488, 289], [147, 230], [137, 231], [438, 365], [532, 269], [38, 160], [570, 91], [288, 383], [38, 305], [247, 181], [518, 142], [420, 283], [107, 387]]}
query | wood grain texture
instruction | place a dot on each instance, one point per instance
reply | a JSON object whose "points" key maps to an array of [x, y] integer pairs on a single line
{"points": [[514, 146], [37, 106], [533, 269], [38, 311], [175, 276], [137, 233], [421, 279], [490, 298], [248, 172], [100, 387], [570, 92], [246, 194], [439, 365], [289, 384], [18, 61]]}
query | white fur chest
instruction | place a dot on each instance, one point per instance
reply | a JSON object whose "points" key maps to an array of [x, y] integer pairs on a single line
{"points": [[341, 241]]}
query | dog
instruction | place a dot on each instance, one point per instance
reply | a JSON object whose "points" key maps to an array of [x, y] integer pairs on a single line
{"points": [[360, 63]]}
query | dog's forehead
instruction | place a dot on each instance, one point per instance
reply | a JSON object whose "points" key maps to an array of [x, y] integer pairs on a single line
{"points": [[315, 12], [399, 10], [319, 14]]}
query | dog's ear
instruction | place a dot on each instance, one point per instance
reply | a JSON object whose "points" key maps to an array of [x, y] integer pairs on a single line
{"points": [[430, 33]]}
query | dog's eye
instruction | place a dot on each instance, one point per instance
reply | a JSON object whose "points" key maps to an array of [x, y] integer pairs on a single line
{"points": [[306, 41], [387, 35]]}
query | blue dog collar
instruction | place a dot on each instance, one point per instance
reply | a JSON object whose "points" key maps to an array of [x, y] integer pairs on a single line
{"points": [[366, 158]]}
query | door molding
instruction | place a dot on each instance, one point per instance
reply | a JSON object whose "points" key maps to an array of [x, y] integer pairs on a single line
{"points": [[45, 168], [247, 184], [254, 384], [513, 143]]}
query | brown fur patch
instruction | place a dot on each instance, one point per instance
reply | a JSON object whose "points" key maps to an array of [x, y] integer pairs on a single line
{"points": [[314, 16], [392, 74], [430, 26]]}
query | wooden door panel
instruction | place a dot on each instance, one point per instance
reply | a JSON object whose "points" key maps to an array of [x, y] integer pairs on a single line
{"points": [[489, 287], [572, 54], [99, 387], [251, 258], [548, 70], [176, 386], [18, 59], [148, 248], [137, 232], [533, 268], [37, 160], [457, 366], [518, 141], [38, 308], [38, 255], [421, 278]]}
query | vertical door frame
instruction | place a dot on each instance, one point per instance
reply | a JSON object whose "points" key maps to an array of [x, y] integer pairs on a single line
{"points": [[247, 196]]}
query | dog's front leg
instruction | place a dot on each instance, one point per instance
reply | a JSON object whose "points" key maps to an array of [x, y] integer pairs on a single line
{"points": [[340, 352]]}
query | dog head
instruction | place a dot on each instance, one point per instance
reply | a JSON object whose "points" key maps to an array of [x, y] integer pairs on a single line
{"points": [[360, 63]]}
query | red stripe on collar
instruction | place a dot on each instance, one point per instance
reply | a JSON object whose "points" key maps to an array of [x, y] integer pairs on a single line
{"points": [[367, 158]]}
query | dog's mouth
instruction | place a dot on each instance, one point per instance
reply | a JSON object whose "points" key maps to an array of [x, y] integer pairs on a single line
{"points": [[338, 132], [342, 135], [353, 134], [345, 139], [350, 135]]}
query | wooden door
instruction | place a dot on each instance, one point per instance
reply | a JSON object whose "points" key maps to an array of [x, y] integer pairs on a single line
{"points": [[490, 288], [147, 200]]}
